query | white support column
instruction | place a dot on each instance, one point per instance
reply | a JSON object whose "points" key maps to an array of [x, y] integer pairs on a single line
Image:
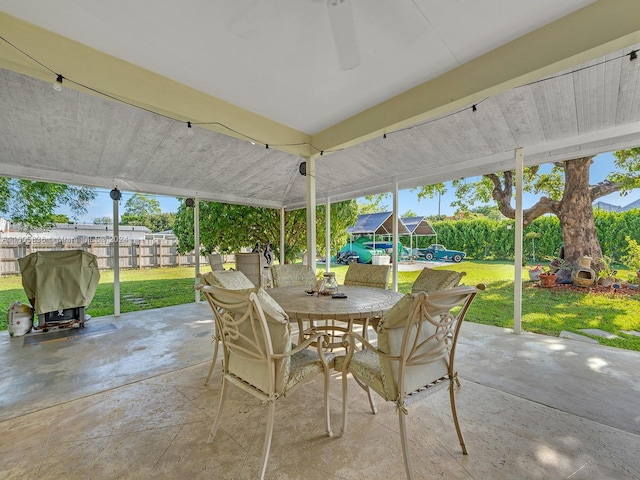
{"points": [[396, 256], [517, 279], [196, 242], [116, 259], [311, 213], [327, 241], [282, 223]]}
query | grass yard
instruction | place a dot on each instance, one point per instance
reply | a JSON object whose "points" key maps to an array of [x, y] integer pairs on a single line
{"points": [[544, 311]]}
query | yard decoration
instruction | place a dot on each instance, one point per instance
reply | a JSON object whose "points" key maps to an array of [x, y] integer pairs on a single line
{"points": [[534, 273], [582, 274]]}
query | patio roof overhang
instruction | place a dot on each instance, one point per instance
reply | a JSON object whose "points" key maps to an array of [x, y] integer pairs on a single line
{"points": [[554, 78]]}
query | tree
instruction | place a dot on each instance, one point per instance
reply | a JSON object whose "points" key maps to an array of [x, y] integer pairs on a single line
{"points": [[160, 222], [342, 215], [567, 194], [373, 204], [33, 204], [227, 228], [103, 221], [139, 207], [60, 218], [489, 211]]}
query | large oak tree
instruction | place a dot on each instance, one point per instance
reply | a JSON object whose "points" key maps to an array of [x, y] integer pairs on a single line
{"points": [[565, 192]]}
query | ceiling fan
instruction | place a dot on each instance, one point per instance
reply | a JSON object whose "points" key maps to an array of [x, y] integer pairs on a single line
{"points": [[340, 17], [344, 33]]}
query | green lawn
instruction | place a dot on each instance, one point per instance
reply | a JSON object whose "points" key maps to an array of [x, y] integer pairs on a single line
{"points": [[543, 311]]}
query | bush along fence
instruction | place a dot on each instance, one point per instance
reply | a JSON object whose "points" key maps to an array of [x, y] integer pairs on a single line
{"points": [[134, 254], [486, 239]]}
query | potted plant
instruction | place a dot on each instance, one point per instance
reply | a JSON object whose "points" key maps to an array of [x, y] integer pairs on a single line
{"points": [[606, 273], [547, 277]]}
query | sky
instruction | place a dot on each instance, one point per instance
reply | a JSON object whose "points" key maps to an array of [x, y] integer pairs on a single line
{"points": [[603, 164]]}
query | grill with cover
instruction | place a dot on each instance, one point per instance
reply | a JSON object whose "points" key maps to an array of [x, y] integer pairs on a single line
{"points": [[60, 285]]}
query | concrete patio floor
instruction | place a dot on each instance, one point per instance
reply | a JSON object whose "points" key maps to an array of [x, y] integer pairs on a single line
{"points": [[125, 399]]}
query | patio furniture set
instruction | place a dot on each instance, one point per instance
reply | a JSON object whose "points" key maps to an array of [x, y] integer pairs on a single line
{"points": [[416, 338]]}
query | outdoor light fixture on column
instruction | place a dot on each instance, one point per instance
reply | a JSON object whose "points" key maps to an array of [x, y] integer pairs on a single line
{"points": [[303, 169], [115, 194], [190, 202]]}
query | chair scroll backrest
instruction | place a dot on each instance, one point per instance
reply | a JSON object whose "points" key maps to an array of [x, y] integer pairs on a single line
{"points": [[292, 275], [421, 333], [362, 275], [253, 328]]}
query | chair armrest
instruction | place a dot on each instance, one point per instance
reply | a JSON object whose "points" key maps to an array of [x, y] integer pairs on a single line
{"points": [[349, 342], [319, 346]]}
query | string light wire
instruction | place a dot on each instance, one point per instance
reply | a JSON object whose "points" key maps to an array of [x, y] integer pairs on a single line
{"points": [[474, 107]]}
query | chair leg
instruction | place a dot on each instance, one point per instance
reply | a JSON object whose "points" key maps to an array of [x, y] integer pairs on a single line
{"points": [[327, 408], [405, 445], [216, 423], [455, 415], [215, 357], [267, 439], [343, 429], [372, 402]]}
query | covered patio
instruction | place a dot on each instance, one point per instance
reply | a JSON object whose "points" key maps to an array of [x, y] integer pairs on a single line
{"points": [[202, 103], [126, 400]]}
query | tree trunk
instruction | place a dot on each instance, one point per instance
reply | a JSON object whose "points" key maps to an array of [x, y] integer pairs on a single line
{"points": [[576, 213]]}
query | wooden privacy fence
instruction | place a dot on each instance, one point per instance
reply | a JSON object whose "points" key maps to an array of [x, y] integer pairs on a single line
{"points": [[134, 254]]}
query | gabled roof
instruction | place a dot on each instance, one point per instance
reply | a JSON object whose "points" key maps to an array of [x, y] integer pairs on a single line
{"points": [[378, 223], [443, 90], [418, 226]]}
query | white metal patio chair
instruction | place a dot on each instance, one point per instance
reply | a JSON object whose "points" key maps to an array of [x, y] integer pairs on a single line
{"points": [[258, 356], [215, 261], [232, 280], [288, 275], [415, 356], [363, 275], [431, 280]]}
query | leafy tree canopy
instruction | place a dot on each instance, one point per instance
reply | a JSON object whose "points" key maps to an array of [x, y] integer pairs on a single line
{"points": [[228, 228], [373, 204], [33, 204], [103, 221], [489, 211], [160, 222], [564, 191], [138, 207], [60, 218]]}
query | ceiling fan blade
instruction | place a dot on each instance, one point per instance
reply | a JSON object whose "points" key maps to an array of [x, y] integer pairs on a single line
{"points": [[344, 33]]}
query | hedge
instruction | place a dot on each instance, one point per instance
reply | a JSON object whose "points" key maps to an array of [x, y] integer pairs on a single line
{"points": [[484, 239]]}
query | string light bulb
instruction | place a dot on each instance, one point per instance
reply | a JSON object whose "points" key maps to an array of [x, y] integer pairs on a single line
{"points": [[633, 55], [57, 86], [189, 129]]}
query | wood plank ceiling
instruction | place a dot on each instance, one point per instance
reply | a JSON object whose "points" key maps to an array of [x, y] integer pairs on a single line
{"points": [[442, 91]]}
